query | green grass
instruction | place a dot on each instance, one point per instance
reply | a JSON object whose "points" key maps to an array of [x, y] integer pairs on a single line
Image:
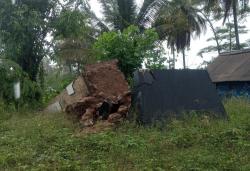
{"points": [[49, 142]]}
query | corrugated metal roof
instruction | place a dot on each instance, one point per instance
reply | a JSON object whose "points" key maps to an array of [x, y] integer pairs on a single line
{"points": [[230, 67]]}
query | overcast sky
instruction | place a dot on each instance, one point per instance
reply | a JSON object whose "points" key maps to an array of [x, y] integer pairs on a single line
{"points": [[192, 60]]}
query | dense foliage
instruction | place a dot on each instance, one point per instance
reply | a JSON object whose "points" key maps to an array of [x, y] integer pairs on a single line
{"points": [[23, 30], [10, 73], [73, 38], [55, 83], [50, 142], [131, 48]]}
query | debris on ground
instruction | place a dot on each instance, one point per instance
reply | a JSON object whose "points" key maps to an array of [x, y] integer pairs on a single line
{"points": [[101, 92]]}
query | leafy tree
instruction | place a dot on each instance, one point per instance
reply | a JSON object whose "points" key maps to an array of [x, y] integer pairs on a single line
{"points": [[23, 30], [73, 38], [131, 48], [154, 58], [11, 72]]}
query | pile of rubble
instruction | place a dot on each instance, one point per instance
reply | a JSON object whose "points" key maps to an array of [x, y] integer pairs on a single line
{"points": [[100, 93]]}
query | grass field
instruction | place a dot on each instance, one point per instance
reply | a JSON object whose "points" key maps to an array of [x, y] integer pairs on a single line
{"points": [[49, 142]]}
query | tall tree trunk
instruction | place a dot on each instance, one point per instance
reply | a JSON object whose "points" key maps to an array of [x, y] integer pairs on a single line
{"points": [[213, 29], [41, 76], [70, 67], [173, 58], [230, 29], [184, 58], [236, 28]]}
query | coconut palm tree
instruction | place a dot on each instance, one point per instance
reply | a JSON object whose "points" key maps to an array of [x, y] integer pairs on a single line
{"points": [[119, 14], [176, 21], [179, 23], [228, 5]]}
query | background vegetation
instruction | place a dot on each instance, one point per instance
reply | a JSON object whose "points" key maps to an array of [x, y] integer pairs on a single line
{"points": [[44, 44], [40, 37], [131, 48]]}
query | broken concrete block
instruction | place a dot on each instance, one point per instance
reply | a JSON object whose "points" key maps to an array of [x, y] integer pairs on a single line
{"points": [[101, 91], [115, 118], [88, 117], [54, 108], [70, 89], [80, 91]]}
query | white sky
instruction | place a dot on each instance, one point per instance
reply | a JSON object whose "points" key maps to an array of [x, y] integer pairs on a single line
{"points": [[192, 60]]}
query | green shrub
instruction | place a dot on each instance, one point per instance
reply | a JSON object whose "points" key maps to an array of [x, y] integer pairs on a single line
{"points": [[132, 48], [55, 83], [10, 73]]}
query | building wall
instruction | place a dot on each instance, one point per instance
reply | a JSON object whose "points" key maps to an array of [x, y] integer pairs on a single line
{"points": [[229, 89]]}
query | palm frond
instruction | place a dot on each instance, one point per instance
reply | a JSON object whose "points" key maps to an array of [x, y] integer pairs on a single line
{"points": [[103, 27], [127, 13], [226, 5], [119, 14], [150, 10], [110, 11], [179, 23]]}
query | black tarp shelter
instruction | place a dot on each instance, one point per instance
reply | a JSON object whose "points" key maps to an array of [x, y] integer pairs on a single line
{"points": [[160, 95]]}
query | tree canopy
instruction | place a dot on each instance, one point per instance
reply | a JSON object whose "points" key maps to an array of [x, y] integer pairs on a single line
{"points": [[23, 30], [71, 35], [131, 48]]}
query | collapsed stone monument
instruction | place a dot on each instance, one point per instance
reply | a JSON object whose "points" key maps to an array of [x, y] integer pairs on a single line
{"points": [[99, 93]]}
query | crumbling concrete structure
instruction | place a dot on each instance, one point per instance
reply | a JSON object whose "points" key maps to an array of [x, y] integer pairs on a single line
{"points": [[99, 93]]}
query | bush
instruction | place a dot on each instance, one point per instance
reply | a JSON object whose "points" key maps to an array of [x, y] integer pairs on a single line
{"points": [[55, 83], [10, 73], [131, 48]]}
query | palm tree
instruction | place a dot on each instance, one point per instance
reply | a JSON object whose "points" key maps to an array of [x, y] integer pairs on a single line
{"points": [[175, 21], [119, 14], [179, 23], [229, 5]]}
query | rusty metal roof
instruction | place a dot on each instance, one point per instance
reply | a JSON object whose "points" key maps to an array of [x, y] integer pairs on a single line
{"points": [[230, 67]]}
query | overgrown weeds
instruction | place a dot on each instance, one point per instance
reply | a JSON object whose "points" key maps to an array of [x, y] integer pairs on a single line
{"points": [[33, 141]]}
